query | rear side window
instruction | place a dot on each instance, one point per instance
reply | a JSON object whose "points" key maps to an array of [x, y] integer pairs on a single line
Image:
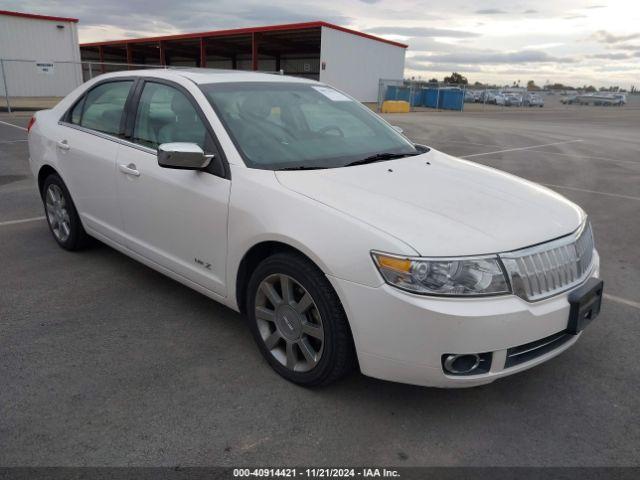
{"points": [[166, 115], [103, 107]]}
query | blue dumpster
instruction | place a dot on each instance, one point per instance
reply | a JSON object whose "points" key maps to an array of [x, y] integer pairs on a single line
{"points": [[430, 97], [416, 100], [451, 99], [391, 93], [404, 93], [397, 93]]}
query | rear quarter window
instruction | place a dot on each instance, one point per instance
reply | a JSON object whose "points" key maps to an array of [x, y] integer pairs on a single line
{"points": [[76, 112]]}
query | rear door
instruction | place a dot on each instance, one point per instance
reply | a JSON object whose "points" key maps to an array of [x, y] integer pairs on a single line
{"points": [[175, 218], [87, 150]]}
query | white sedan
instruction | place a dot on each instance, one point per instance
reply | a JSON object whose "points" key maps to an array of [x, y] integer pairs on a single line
{"points": [[342, 242]]}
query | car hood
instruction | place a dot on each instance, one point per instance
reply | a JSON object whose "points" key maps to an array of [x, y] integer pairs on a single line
{"points": [[441, 205]]}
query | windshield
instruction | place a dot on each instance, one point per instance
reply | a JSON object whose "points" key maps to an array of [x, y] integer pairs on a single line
{"points": [[278, 125]]}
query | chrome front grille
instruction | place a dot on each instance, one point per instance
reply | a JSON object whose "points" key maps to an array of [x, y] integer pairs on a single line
{"points": [[549, 268]]}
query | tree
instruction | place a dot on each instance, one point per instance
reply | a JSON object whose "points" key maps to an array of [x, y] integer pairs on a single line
{"points": [[433, 80], [559, 86], [532, 87], [456, 78]]}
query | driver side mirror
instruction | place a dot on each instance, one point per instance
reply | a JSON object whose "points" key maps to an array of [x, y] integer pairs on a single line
{"points": [[188, 156]]}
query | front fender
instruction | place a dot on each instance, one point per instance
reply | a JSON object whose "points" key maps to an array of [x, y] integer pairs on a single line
{"points": [[261, 209]]}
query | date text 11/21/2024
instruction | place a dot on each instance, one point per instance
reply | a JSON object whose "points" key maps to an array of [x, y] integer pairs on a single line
{"points": [[316, 472]]}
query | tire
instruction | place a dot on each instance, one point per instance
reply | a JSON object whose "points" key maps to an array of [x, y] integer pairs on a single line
{"points": [[62, 216], [331, 355]]}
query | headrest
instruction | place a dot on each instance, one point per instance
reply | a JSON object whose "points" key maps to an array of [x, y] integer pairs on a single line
{"points": [[112, 116], [181, 106]]}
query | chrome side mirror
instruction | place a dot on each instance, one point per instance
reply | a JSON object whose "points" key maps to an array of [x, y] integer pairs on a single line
{"points": [[184, 156], [397, 128]]}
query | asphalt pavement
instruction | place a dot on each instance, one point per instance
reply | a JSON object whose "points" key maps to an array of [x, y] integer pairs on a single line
{"points": [[103, 361]]}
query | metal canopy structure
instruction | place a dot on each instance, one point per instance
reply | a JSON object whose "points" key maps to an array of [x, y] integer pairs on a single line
{"points": [[33, 16], [293, 48]]}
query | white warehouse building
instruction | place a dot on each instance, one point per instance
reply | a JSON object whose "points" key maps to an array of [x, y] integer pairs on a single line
{"points": [[349, 60], [40, 55]]}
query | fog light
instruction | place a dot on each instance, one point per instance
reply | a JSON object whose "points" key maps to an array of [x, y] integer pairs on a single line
{"points": [[466, 364]]}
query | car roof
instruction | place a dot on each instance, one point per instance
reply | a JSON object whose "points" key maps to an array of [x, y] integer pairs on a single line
{"points": [[209, 75]]}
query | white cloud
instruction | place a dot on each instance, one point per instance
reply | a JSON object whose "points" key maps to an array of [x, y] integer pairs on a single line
{"points": [[421, 31], [492, 58], [496, 41], [604, 36]]}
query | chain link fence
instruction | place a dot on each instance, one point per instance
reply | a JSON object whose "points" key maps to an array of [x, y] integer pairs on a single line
{"points": [[33, 85], [423, 96]]}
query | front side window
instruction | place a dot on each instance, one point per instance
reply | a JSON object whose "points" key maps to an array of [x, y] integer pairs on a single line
{"points": [[103, 107], [166, 115], [296, 125]]}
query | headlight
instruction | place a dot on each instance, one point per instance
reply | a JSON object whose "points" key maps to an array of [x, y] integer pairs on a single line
{"points": [[443, 276]]}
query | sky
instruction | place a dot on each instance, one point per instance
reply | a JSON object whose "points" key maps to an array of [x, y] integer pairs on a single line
{"points": [[590, 42]]}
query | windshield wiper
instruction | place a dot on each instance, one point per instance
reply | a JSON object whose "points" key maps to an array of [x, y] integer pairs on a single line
{"points": [[300, 167], [379, 157]]}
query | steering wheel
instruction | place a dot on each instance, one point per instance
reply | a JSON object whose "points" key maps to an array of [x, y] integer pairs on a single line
{"points": [[329, 128], [281, 127]]}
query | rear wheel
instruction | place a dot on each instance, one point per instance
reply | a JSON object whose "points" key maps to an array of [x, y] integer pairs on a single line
{"points": [[62, 215], [298, 322]]}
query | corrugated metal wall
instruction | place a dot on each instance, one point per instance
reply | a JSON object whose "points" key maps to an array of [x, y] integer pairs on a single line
{"points": [[34, 40], [355, 64]]}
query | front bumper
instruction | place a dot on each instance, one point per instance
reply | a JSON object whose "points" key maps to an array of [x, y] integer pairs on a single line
{"points": [[402, 337]]}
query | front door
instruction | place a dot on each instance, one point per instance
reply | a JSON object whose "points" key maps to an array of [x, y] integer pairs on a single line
{"points": [[175, 218]]}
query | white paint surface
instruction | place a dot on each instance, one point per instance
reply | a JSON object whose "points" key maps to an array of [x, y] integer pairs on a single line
{"points": [[25, 42], [355, 64]]}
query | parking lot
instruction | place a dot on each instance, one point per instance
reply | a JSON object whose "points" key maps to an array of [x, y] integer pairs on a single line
{"points": [[103, 361]]}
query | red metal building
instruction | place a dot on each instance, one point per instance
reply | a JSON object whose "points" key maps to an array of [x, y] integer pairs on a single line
{"points": [[312, 49]]}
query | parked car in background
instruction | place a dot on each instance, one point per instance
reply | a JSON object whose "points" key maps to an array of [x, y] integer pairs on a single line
{"points": [[620, 99], [487, 96], [513, 100], [499, 98], [607, 99], [342, 242], [533, 100], [470, 96], [598, 99], [569, 99]]}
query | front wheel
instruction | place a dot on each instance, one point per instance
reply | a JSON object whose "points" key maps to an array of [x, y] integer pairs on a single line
{"points": [[298, 321]]}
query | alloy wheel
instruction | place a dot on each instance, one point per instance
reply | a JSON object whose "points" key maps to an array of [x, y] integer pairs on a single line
{"points": [[57, 212], [289, 322]]}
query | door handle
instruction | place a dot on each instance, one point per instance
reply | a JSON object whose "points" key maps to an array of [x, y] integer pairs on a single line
{"points": [[63, 145], [129, 170]]}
